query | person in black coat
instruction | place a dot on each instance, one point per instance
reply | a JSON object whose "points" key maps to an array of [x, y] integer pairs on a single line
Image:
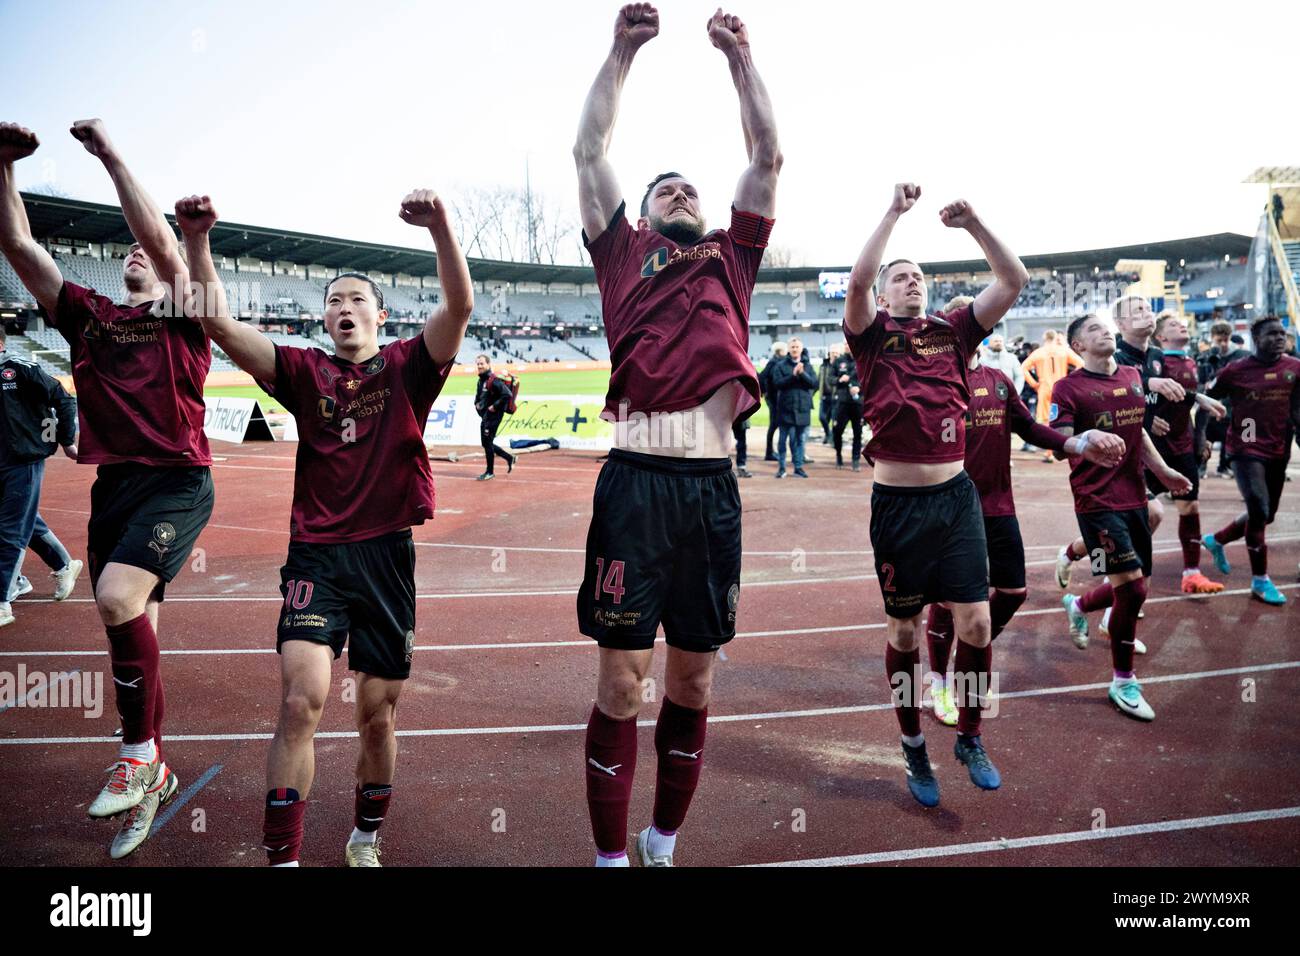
{"points": [[793, 381], [37, 416], [769, 394], [491, 399], [848, 406]]}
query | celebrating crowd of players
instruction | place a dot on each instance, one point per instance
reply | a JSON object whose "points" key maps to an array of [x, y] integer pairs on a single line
{"points": [[664, 543]]}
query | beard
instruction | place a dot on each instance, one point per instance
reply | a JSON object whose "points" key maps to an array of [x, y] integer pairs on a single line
{"points": [[682, 232]]}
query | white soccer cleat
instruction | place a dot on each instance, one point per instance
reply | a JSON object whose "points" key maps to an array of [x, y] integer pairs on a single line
{"points": [[643, 851], [65, 579], [363, 854], [128, 780], [1063, 568], [139, 819], [1138, 646], [1127, 697]]}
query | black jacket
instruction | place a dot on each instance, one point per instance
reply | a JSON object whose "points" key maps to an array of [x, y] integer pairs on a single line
{"points": [[844, 365], [765, 381], [32, 400], [794, 393], [491, 401]]}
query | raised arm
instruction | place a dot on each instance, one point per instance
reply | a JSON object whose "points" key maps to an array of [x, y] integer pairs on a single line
{"points": [[756, 191], [860, 299], [143, 218], [1009, 274], [598, 190], [445, 329], [248, 348], [29, 259]]}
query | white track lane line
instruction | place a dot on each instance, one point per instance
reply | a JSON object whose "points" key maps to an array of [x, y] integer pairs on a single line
{"points": [[1049, 839], [713, 718]]}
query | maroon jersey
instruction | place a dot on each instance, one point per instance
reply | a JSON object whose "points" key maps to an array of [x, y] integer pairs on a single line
{"points": [[139, 381], [1112, 403], [1263, 397], [362, 469], [915, 383], [995, 411], [1181, 438], [677, 317]]}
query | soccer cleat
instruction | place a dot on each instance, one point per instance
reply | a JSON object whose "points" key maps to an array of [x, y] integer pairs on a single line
{"points": [[486, 476], [920, 776], [643, 851], [6, 614], [66, 579], [1127, 697], [945, 708], [363, 854], [1217, 553], [1078, 621], [1267, 592], [1138, 646], [139, 819], [969, 751], [1198, 583], [128, 779], [1063, 568]]}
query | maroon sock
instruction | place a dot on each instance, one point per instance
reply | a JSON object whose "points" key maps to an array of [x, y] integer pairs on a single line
{"points": [[1189, 536], [1233, 530], [1257, 549], [679, 740], [610, 759], [159, 708], [1076, 555], [902, 668], [371, 805], [938, 637], [1129, 598], [1096, 599], [971, 678], [282, 828], [1003, 606], [133, 651]]}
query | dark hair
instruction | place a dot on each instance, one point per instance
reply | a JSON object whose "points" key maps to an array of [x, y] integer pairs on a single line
{"points": [[1221, 328], [1075, 326], [645, 200], [1263, 320], [884, 271], [374, 287]]}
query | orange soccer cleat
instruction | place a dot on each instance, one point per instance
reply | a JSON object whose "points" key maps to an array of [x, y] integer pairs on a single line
{"points": [[1198, 583]]}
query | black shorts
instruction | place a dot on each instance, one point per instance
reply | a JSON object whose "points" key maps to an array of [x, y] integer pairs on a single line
{"points": [[1006, 552], [663, 547], [1117, 541], [361, 593], [147, 516], [929, 545], [1186, 464]]}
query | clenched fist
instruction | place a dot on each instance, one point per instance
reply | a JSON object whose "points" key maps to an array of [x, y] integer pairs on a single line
{"points": [[93, 135], [957, 215], [422, 207], [636, 24], [905, 197], [726, 32], [195, 215], [16, 142]]}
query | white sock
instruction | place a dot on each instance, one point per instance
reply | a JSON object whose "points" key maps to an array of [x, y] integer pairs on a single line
{"points": [[275, 866], [145, 751], [660, 844], [620, 860], [359, 836], [1191, 571], [914, 741]]}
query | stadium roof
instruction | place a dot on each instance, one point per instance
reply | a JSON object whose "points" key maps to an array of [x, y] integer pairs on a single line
{"points": [[58, 217]]}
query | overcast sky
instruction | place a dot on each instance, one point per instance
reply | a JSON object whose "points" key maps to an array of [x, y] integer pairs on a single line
{"points": [[1068, 126]]}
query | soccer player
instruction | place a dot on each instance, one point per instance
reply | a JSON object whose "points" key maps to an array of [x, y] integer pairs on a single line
{"points": [[491, 400], [664, 541], [1111, 504], [994, 412], [138, 369], [1265, 402], [1176, 440], [926, 528], [361, 480]]}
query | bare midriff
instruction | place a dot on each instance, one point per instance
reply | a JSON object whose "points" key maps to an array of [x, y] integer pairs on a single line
{"points": [[703, 431]]}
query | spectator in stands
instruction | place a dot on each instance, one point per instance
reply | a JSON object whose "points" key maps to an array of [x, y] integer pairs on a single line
{"points": [[826, 393], [997, 356], [30, 401], [769, 394], [1047, 365], [491, 399], [793, 381]]}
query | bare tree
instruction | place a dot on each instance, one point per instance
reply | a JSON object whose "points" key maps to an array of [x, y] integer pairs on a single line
{"points": [[778, 257]]}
